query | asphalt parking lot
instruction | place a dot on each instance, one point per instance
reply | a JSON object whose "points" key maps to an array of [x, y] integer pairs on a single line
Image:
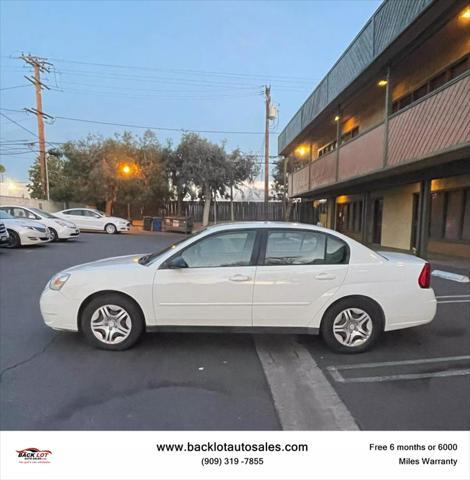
{"points": [[413, 379]]}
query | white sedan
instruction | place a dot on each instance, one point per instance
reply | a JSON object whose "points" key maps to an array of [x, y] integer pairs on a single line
{"points": [[91, 219], [249, 277], [60, 229], [24, 232]]}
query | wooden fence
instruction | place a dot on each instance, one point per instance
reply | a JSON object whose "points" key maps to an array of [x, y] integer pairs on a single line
{"points": [[219, 212]]}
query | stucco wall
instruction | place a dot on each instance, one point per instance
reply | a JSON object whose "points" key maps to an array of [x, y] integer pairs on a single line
{"points": [[397, 216], [47, 205]]}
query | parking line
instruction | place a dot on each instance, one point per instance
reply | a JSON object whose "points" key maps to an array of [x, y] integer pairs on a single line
{"points": [[303, 396], [453, 301], [453, 296], [454, 277], [406, 376], [335, 370]]}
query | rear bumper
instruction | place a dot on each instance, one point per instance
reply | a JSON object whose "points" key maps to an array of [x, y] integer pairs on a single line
{"points": [[419, 310]]}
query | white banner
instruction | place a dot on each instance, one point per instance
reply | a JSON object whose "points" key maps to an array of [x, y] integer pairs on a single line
{"points": [[234, 455]]}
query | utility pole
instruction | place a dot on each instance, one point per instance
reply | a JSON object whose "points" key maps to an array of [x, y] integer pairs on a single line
{"points": [[40, 65], [267, 95]]}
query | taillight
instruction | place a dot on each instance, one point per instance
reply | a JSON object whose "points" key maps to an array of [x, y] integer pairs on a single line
{"points": [[424, 279]]}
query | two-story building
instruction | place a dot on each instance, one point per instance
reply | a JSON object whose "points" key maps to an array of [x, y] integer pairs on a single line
{"points": [[383, 142]]}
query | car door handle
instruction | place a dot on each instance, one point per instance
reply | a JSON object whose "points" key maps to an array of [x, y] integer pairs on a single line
{"points": [[325, 276], [240, 278]]}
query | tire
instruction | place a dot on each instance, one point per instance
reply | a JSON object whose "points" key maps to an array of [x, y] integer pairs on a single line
{"points": [[110, 228], [352, 325], [14, 239], [107, 337], [55, 236]]}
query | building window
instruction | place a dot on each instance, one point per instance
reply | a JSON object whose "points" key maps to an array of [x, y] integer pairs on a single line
{"points": [[350, 217], [450, 215], [354, 132], [327, 148], [435, 82], [460, 67]]}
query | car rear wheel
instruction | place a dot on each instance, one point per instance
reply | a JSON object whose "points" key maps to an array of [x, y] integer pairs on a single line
{"points": [[110, 228], [352, 325], [112, 322], [14, 240]]}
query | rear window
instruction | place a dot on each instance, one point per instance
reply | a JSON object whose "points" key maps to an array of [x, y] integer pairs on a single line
{"points": [[303, 247]]}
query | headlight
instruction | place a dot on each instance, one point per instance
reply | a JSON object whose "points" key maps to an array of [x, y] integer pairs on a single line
{"points": [[58, 281], [62, 224]]}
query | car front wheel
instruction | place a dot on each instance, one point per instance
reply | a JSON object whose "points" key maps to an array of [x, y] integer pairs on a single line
{"points": [[54, 234], [14, 240], [112, 322], [352, 325], [110, 228]]}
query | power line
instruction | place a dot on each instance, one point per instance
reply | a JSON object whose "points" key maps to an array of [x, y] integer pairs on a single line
{"points": [[148, 127], [17, 124], [186, 71], [11, 88]]}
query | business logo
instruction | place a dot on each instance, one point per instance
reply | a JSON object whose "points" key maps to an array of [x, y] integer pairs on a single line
{"points": [[33, 455]]}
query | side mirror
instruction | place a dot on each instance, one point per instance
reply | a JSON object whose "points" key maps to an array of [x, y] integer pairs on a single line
{"points": [[177, 262]]}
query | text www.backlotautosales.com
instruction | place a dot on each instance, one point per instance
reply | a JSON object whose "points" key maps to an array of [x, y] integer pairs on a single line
{"points": [[223, 453]]}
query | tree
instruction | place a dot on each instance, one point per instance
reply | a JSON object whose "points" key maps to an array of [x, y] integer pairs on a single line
{"points": [[240, 168], [59, 188], [205, 166]]}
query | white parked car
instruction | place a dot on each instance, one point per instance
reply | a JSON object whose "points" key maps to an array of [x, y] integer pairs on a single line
{"points": [[4, 237], [24, 232], [60, 229], [249, 277], [91, 219]]}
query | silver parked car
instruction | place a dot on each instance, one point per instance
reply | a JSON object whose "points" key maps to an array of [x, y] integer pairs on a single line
{"points": [[24, 232]]}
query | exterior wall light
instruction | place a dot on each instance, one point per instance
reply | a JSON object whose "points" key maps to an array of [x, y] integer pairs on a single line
{"points": [[465, 14], [337, 118], [300, 151], [382, 83]]}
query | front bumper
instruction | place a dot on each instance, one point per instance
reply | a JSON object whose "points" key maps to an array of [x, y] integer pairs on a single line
{"points": [[58, 311], [123, 228], [3, 239], [33, 237], [68, 232]]}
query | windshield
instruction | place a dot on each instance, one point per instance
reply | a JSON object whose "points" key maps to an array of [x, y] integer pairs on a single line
{"points": [[146, 259], [42, 213], [5, 215]]}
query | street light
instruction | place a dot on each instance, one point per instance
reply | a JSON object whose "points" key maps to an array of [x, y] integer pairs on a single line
{"points": [[128, 169]]}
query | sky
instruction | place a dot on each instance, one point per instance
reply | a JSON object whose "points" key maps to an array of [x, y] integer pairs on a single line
{"points": [[193, 65]]}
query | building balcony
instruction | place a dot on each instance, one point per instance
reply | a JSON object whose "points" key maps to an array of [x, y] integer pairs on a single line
{"points": [[431, 127]]}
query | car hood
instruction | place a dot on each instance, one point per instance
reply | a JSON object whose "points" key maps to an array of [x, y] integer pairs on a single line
{"points": [[63, 220], [130, 260], [17, 222], [117, 219]]}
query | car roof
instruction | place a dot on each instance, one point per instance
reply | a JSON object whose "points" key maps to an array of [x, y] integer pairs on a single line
{"points": [[267, 224], [16, 206]]}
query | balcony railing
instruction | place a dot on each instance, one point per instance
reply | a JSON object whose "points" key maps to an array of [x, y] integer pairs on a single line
{"points": [[433, 125]]}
